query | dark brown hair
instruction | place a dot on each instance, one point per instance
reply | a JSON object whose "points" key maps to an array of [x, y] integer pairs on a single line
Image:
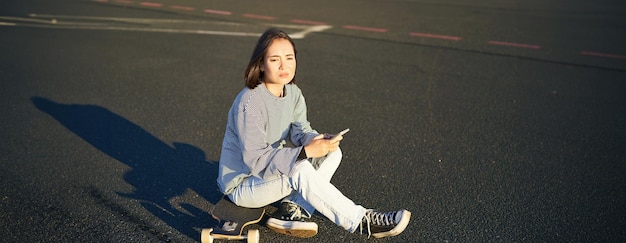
{"points": [[254, 75]]}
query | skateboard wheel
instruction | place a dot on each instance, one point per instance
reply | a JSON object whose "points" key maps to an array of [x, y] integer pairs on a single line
{"points": [[205, 236], [253, 236]]}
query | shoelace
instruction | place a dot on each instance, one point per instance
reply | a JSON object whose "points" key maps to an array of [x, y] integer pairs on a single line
{"points": [[369, 230], [383, 219], [294, 212]]}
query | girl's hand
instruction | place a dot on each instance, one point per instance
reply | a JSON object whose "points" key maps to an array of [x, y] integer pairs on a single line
{"points": [[320, 147]]}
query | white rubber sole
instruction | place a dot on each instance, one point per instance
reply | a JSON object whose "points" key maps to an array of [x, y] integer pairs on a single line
{"points": [[293, 228]]}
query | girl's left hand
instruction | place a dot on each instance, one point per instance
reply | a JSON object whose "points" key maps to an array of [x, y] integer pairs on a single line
{"points": [[320, 146]]}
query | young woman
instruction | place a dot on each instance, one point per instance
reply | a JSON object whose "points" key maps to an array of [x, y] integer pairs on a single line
{"points": [[271, 153]]}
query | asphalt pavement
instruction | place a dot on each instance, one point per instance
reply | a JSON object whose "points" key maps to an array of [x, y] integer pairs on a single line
{"points": [[488, 120]]}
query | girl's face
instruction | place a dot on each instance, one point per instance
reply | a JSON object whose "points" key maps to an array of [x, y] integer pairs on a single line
{"points": [[279, 63]]}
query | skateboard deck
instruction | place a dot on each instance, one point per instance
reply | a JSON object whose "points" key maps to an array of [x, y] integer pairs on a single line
{"points": [[232, 221]]}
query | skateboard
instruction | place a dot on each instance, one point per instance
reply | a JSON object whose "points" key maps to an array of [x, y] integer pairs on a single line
{"points": [[232, 221]]}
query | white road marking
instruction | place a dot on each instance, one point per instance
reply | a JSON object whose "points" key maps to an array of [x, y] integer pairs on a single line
{"points": [[181, 26], [30, 20], [315, 28], [139, 29], [131, 20]]}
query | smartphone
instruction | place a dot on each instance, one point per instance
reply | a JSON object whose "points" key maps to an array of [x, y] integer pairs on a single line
{"points": [[343, 132], [330, 136]]}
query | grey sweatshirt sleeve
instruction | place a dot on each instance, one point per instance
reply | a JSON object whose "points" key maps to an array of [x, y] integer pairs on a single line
{"points": [[301, 132]]}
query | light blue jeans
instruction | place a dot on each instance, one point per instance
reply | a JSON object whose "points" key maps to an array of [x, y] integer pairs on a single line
{"points": [[309, 187]]}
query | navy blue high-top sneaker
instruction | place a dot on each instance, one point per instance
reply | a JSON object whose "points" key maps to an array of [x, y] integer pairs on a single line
{"points": [[379, 225], [291, 219]]}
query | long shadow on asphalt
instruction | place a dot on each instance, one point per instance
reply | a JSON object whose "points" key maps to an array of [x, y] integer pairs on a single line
{"points": [[160, 173]]}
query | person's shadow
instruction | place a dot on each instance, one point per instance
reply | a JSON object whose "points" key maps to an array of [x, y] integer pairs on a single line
{"points": [[160, 173]]}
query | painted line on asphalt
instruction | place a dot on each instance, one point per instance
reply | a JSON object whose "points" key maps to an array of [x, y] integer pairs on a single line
{"points": [[220, 12], [183, 8], [600, 54], [363, 28], [31, 20], [137, 29], [316, 28], [91, 23], [34, 17], [513, 44], [151, 4], [435, 36], [309, 22], [263, 17]]}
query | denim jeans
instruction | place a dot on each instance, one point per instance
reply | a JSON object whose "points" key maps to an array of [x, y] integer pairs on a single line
{"points": [[309, 187]]}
